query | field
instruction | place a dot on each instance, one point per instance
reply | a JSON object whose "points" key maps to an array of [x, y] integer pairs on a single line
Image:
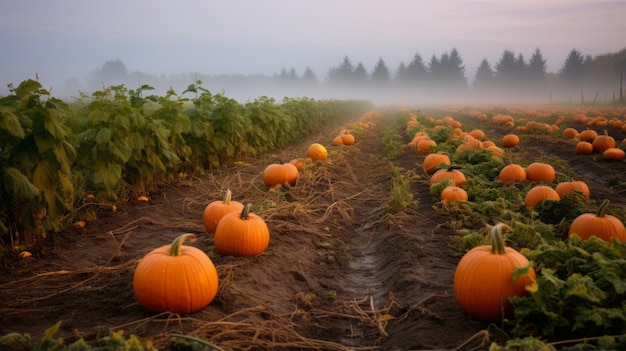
{"points": [[362, 254]]}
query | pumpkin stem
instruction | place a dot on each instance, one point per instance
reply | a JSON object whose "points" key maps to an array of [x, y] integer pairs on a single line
{"points": [[603, 206], [245, 211], [178, 242], [227, 197], [497, 242]]}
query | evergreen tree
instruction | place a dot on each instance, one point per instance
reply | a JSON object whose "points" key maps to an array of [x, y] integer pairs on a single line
{"points": [[506, 68], [484, 75], [537, 66], [380, 74], [455, 70], [343, 73], [416, 70], [360, 74], [575, 67], [309, 76]]}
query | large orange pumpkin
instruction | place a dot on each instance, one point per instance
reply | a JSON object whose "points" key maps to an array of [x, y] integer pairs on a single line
{"points": [[584, 148], [215, 210], [613, 154], [347, 139], [483, 279], [512, 173], [598, 224], [603, 142], [540, 172], [540, 193], [317, 152], [175, 278], [280, 173], [433, 161], [587, 135], [241, 234], [453, 173], [425, 146]]}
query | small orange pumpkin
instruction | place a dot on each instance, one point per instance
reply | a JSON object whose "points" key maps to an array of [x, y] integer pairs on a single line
{"points": [[347, 139], [317, 152], [483, 279], [175, 278], [603, 142], [425, 146], [337, 140], [538, 194], [540, 172], [512, 173], [241, 234], [613, 154], [598, 224], [564, 188], [280, 173], [433, 161], [298, 163], [453, 173], [570, 133], [584, 148], [215, 210], [587, 135], [510, 140], [453, 193]]}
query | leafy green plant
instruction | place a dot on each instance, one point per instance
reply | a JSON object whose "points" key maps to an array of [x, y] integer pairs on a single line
{"points": [[579, 292], [36, 156]]}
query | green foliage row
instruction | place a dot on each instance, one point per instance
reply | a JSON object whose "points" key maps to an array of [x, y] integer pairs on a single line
{"points": [[116, 141]]}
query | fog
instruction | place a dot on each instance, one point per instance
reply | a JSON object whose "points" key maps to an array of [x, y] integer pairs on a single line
{"points": [[277, 48]]}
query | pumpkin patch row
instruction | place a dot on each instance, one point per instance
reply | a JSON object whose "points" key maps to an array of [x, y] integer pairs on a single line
{"points": [[480, 291]]}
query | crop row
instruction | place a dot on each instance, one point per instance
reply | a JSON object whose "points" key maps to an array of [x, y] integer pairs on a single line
{"points": [[116, 143]]}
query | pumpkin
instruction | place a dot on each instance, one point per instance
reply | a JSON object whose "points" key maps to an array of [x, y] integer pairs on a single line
{"points": [[425, 146], [433, 161], [478, 134], [470, 143], [317, 152], [215, 210], [538, 194], [488, 143], [564, 188], [280, 173], [613, 154], [512, 173], [495, 151], [540, 172], [298, 163], [241, 234], [584, 148], [603, 142], [483, 278], [175, 278], [598, 224], [587, 135], [453, 193], [337, 140], [347, 139], [453, 173], [510, 140], [570, 133]]}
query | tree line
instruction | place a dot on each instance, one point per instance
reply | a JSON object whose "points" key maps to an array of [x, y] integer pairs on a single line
{"points": [[443, 78]]}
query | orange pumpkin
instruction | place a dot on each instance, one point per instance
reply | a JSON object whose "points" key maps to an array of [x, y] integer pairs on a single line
{"points": [[598, 224], [425, 146], [298, 163], [587, 135], [453, 173], [540, 172], [483, 279], [478, 134], [510, 140], [317, 152], [512, 173], [613, 154], [215, 210], [584, 148], [337, 140], [175, 278], [564, 188], [570, 133], [241, 234], [538, 194], [433, 161], [347, 139], [603, 142], [495, 151], [453, 193], [280, 173]]}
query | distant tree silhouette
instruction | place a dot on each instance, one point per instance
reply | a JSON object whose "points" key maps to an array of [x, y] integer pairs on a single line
{"points": [[575, 67], [454, 70], [309, 76], [416, 71], [380, 74], [506, 68], [484, 76], [343, 73], [400, 74], [112, 73], [360, 74], [536, 68]]}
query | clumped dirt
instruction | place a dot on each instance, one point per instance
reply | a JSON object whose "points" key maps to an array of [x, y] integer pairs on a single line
{"points": [[342, 272]]}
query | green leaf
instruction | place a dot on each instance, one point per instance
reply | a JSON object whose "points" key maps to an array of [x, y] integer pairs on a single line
{"points": [[49, 333], [103, 136], [11, 124], [111, 176], [45, 175], [21, 185]]}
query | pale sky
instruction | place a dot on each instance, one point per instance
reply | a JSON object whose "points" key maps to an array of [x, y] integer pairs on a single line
{"points": [[61, 39]]}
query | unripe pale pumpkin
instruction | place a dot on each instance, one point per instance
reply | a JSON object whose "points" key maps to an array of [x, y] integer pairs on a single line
{"points": [[483, 279], [175, 278]]}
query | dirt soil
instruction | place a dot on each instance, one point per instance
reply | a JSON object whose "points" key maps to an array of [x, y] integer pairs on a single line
{"points": [[342, 272]]}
